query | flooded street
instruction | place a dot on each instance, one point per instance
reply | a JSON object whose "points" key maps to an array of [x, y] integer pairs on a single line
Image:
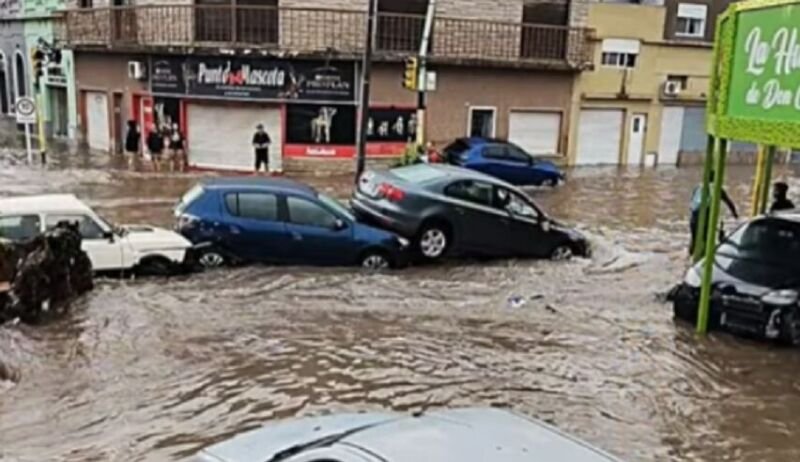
{"points": [[153, 370]]}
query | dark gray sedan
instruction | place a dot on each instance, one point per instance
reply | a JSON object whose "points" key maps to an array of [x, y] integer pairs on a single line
{"points": [[445, 209]]}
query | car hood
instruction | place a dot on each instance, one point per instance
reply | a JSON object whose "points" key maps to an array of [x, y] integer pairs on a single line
{"points": [[151, 237], [572, 233], [747, 276], [371, 233], [465, 435], [546, 165]]}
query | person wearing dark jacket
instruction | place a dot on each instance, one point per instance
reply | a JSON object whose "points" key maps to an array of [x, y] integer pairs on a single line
{"points": [[780, 198], [132, 138], [261, 142], [155, 145]]}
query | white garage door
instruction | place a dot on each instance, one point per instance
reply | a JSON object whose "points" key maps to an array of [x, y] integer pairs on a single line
{"points": [[535, 132], [599, 136], [99, 136], [671, 129], [221, 136]]}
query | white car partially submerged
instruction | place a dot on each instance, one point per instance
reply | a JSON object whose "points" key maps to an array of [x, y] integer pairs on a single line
{"points": [[143, 249]]}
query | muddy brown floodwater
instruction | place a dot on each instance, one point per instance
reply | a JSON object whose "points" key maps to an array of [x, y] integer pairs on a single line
{"points": [[157, 369]]}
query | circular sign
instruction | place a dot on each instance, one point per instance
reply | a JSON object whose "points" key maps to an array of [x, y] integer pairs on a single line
{"points": [[25, 107]]}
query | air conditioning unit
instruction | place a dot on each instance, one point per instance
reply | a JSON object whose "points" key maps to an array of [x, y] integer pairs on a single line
{"points": [[136, 70], [672, 88]]}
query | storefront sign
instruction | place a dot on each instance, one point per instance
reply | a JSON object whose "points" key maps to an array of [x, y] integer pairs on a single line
{"points": [[329, 131], [765, 76], [259, 79]]}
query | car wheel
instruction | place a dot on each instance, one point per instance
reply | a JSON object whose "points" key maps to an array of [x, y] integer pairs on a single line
{"points": [[155, 266], [561, 253], [375, 260], [551, 182], [790, 328], [433, 242], [211, 258]]}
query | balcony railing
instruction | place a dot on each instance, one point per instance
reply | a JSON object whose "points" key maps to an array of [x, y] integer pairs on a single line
{"points": [[321, 30]]}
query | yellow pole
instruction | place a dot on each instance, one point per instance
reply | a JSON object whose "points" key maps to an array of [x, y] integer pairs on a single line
{"points": [[40, 122], [755, 198]]}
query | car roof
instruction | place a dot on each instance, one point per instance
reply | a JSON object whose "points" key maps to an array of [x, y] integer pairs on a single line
{"points": [[788, 215], [259, 183], [465, 435], [452, 172], [62, 203], [478, 140]]}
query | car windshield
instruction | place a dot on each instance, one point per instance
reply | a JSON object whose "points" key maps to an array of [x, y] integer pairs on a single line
{"points": [[419, 173], [189, 197], [771, 242], [336, 206]]}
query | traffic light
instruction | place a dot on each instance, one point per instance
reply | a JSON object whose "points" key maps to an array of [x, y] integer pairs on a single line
{"points": [[411, 73], [37, 60]]}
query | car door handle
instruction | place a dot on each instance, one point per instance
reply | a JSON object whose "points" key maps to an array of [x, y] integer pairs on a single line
{"points": [[297, 236]]}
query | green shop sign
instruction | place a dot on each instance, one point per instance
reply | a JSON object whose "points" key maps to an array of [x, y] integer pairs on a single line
{"points": [[755, 82], [765, 80]]}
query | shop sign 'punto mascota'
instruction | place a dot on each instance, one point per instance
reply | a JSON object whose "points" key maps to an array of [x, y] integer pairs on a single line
{"points": [[254, 79]]}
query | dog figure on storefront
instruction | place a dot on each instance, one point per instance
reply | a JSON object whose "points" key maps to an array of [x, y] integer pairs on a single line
{"points": [[321, 124]]}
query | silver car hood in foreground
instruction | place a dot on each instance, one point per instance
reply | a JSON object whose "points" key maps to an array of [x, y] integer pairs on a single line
{"points": [[462, 435]]}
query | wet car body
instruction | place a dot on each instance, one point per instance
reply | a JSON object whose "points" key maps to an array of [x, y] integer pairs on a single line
{"points": [[503, 160], [279, 221], [444, 209], [463, 435], [755, 281]]}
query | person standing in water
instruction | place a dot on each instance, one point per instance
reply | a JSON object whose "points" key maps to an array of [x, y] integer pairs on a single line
{"points": [[694, 210]]}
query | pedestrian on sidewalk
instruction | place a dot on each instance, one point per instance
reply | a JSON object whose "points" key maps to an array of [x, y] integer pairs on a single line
{"points": [[694, 210], [177, 147], [155, 145], [780, 193], [261, 142], [132, 141]]}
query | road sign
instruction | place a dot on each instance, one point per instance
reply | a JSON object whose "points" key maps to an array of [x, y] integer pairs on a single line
{"points": [[26, 110]]}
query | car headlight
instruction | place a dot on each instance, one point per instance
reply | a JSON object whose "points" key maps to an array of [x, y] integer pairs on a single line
{"points": [[780, 297], [692, 278], [403, 242]]}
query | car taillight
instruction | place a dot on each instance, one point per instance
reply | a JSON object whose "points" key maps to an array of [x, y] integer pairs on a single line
{"points": [[391, 193]]}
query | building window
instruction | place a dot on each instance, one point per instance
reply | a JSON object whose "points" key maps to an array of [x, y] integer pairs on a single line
{"points": [[242, 21], [85, 3], [19, 75], [620, 53], [539, 41], [5, 103], [400, 24], [482, 122], [691, 20], [682, 81]]}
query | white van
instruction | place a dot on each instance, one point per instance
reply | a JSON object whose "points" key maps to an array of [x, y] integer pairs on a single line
{"points": [[144, 249]]}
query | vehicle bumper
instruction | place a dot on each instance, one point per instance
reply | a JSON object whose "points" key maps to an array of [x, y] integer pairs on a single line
{"points": [[367, 211], [738, 314]]}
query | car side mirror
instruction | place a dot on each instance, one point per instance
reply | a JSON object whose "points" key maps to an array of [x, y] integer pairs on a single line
{"points": [[109, 235], [339, 224]]}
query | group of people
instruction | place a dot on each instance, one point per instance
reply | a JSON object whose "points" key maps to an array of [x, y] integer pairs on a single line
{"points": [[160, 140], [780, 202]]}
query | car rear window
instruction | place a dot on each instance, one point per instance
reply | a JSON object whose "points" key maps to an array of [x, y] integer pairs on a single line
{"points": [[456, 147], [19, 227], [417, 173]]}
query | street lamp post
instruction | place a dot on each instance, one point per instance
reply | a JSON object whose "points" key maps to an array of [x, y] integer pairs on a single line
{"points": [[363, 110]]}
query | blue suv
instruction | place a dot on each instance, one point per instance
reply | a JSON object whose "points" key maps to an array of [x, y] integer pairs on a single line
{"points": [[233, 220], [503, 160]]}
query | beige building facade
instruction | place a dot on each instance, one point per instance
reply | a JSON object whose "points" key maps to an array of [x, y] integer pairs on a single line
{"points": [[644, 101]]}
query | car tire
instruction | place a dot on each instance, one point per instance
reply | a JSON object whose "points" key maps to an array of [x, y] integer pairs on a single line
{"points": [[562, 252], [211, 258], [155, 266], [552, 182], [790, 328], [374, 260], [433, 241]]}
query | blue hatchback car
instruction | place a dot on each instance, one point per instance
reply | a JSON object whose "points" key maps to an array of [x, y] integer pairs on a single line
{"points": [[279, 221], [503, 160]]}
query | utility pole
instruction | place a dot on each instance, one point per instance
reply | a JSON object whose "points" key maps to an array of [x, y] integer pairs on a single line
{"points": [[422, 77], [366, 69]]}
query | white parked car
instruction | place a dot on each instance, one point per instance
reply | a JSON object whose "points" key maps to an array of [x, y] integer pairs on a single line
{"points": [[454, 435], [144, 249]]}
